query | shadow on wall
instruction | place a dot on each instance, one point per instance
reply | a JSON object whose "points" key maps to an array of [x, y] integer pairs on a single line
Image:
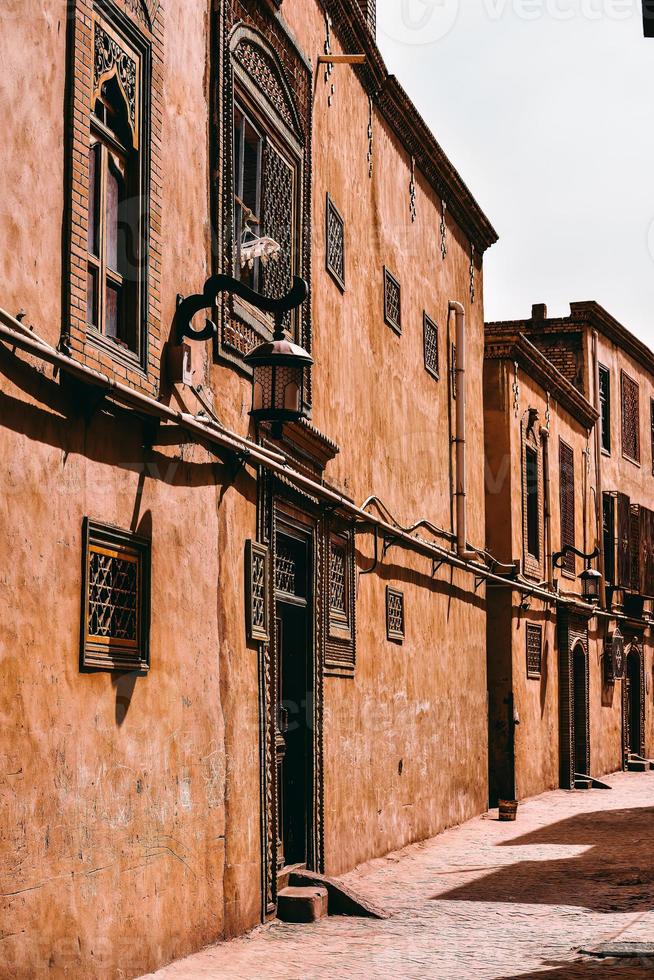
{"points": [[588, 969], [615, 873]]}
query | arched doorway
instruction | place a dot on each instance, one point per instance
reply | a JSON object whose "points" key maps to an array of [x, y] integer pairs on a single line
{"points": [[633, 703], [581, 763]]}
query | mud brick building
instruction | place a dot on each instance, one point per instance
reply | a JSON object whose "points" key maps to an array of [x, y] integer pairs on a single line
{"points": [[569, 408], [226, 650]]}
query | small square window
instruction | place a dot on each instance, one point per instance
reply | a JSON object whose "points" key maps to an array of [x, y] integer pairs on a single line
{"points": [[394, 615], [335, 251], [430, 340], [392, 302], [115, 599], [534, 650]]}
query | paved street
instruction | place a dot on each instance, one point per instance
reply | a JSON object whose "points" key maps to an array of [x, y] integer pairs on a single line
{"points": [[485, 900]]}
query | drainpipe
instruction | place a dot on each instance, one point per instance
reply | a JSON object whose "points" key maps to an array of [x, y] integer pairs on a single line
{"points": [[599, 498], [460, 438], [545, 438]]}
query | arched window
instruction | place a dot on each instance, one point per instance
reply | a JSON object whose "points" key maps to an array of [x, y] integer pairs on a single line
{"points": [[112, 231]]}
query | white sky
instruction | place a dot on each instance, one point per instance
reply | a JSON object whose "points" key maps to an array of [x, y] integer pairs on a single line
{"points": [[546, 109]]}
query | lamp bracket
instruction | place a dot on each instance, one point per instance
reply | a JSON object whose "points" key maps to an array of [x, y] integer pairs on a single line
{"points": [[190, 305], [559, 556]]}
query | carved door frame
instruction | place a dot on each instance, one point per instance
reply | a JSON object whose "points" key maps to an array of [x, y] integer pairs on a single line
{"points": [[280, 504], [634, 649]]}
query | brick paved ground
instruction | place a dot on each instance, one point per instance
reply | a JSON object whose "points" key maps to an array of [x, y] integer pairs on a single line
{"points": [[487, 900]]}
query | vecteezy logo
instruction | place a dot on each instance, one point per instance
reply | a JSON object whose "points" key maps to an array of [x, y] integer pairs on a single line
{"points": [[417, 21]]}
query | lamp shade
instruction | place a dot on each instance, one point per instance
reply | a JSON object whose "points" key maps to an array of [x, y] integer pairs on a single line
{"points": [[278, 382]]}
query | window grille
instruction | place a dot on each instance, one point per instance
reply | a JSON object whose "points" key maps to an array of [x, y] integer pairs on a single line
{"points": [[115, 600], [256, 572], [605, 407], [394, 614], [285, 569], [335, 250], [531, 492], [567, 502], [430, 342], [534, 650], [337, 583], [340, 645], [392, 302], [630, 419]]}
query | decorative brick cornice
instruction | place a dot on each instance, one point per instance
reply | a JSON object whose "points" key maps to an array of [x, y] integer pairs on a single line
{"points": [[514, 346], [408, 125]]}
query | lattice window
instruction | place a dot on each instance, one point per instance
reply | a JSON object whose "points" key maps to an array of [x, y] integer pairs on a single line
{"points": [[256, 577], [392, 302], [630, 419], [278, 222], [394, 614], [534, 650], [605, 407], [290, 566], [285, 569], [430, 344], [115, 600], [567, 503], [337, 583], [335, 249]]}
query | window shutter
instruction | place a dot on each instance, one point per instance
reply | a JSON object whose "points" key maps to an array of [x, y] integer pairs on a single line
{"points": [[634, 546], [608, 515], [567, 494], [624, 546], [630, 418], [646, 570], [277, 217]]}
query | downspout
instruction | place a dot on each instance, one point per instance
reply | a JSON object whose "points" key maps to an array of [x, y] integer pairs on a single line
{"points": [[545, 437], [599, 497], [460, 438]]}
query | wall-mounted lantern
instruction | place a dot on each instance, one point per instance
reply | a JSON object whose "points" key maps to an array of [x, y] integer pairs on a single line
{"points": [[590, 578], [279, 373], [279, 366]]}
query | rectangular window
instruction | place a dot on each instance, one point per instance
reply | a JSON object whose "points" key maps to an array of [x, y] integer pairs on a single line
{"points": [[630, 419], [335, 247], [394, 615], [605, 407], [116, 216], [430, 344], [340, 587], [608, 530], [115, 599], [256, 585], [567, 503], [534, 650], [392, 302], [533, 523]]}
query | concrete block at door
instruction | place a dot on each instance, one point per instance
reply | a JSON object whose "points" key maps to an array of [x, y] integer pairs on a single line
{"points": [[295, 904]]}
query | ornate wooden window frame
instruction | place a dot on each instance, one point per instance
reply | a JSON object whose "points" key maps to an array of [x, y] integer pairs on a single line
{"points": [[430, 343], [98, 652], [286, 120], [569, 568], [394, 633], [532, 564], [136, 27], [605, 402], [630, 389], [334, 220], [395, 323], [533, 640], [340, 632], [257, 588]]}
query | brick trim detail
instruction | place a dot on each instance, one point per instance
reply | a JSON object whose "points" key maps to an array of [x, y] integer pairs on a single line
{"points": [[142, 26]]}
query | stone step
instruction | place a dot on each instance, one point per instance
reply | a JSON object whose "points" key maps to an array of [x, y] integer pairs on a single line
{"points": [[342, 899], [637, 765], [583, 783], [298, 904]]}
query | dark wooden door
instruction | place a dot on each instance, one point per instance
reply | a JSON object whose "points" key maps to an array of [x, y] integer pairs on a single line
{"points": [[294, 697], [633, 699], [580, 712]]}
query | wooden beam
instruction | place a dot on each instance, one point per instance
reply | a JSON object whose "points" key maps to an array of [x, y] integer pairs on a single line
{"points": [[342, 59]]}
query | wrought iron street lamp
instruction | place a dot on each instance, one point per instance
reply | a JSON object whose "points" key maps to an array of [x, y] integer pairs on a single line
{"points": [[590, 578], [278, 366]]}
